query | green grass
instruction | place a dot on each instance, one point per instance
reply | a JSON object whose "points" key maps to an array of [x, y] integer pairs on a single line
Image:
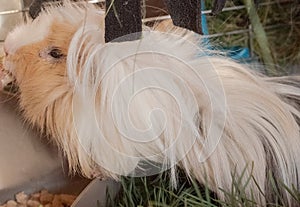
{"points": [[157, 191]]}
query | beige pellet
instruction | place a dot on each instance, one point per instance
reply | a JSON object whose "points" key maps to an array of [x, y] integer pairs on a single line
{"points": [[67, 199], [46, 197], [35, 196], [22, 198], [32, 203], [57, 202], [11, 203]]}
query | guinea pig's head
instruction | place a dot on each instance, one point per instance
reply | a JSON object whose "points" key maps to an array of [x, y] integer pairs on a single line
{"points": [[36, 54]]}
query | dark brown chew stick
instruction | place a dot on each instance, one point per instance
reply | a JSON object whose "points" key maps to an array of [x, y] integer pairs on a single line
{"points": [[123, 18], [36, 7], [186, 14]]}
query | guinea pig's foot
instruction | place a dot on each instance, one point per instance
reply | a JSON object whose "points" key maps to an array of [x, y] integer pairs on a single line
{"points": [[7, 83], [11, 88], [96, 173]]}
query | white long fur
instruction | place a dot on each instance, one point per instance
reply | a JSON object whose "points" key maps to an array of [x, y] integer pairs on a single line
{"points": [[161, 99], [260, 127]]}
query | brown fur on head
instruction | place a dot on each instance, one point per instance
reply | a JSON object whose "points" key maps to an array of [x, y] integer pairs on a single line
{"points": [[36, 55], [40, 71]]}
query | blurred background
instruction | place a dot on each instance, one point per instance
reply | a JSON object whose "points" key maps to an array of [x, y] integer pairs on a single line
{"points": [[233, 31], [269, 33]]}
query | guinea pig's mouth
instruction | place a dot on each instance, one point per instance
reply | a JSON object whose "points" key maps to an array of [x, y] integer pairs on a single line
{"points": [[8, 82]]}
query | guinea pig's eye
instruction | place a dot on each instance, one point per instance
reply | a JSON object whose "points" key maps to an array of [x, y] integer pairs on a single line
{"points": [[56, 53]]}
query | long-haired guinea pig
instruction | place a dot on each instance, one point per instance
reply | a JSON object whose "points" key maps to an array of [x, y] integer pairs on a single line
{"points": [[163, 101]]}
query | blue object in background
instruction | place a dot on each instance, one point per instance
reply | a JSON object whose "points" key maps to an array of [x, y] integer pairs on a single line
{"points": [[235, 52]]}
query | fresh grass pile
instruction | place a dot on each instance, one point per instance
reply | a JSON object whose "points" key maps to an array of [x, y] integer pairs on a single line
{"points": [[157, 191]]}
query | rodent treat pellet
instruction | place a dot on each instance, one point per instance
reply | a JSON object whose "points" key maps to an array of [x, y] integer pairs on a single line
{"points": [[41, 199]]}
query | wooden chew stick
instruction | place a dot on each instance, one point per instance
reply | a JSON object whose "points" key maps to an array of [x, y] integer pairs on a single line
{"points": [[123, 21], [186, 14]]}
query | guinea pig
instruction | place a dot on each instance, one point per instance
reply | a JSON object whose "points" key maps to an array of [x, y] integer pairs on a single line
{"points": [[162, 101]]}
